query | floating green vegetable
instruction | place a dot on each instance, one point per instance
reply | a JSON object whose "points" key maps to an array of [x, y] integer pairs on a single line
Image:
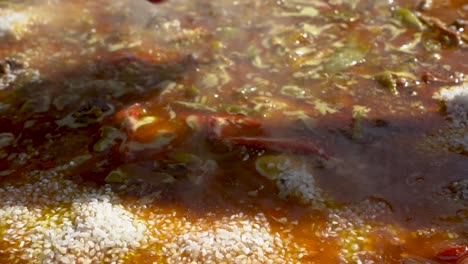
{"points": [[192, 91], [293, 91], [257, 62], [161, 140], [305, 11], [359, 114], [116, 176], [387, 80], [140, 173], [432, 45], [314, 30], [345, 57], [237, 109], [187, 158], [6, 172], [76, 161], [323, 107], [408, 18], [6, 139], [195, 106], [108, 137], [64, 100], [227, 32], [38, 104], [137, 123], [346, 15], [92, 112], [209, 81], [271, 166]]}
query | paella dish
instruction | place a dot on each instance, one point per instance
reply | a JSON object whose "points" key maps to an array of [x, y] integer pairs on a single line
{"points": [[247, 131]]}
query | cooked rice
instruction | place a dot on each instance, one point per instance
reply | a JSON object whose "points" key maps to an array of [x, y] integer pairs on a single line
{"points": [[234, 239], [299, 183], [56, 220], [294, 180], [13, 24], [351, 226], [456, 101]]}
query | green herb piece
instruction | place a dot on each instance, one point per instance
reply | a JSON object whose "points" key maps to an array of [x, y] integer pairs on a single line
{"points": [[346, 15], [116, 176], [293, 91], [76, 161], [408, 18], [360, 111], [387, 80], [345, 57], [210, 80], [192, 91], [267, 103], [305, 11], [227, 32], [432, 45], [137, 123], [168, 179], [257, 62], [92, 112], [302, 51], [64, 100], [314, 30], [359, 114], [194, 122], [108, 137], [323, 107], [237, 109], [271, 166], [40, 104], [161, 140], [187, 158], [6, 172], [29, 124], [6, 139], [195, 106]]}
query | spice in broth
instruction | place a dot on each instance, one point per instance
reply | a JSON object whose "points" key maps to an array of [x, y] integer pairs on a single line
{"points": [[233, 131]]}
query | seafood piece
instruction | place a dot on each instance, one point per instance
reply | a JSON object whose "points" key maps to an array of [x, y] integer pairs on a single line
{"points": [[454, 254], [238, 130]]}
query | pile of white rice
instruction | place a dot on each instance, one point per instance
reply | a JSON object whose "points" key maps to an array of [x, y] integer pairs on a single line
{"points": [[235, 239], [293, 178], [55, 220], [351, 226], [300, 183], [456, 101], [13, 24]]}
